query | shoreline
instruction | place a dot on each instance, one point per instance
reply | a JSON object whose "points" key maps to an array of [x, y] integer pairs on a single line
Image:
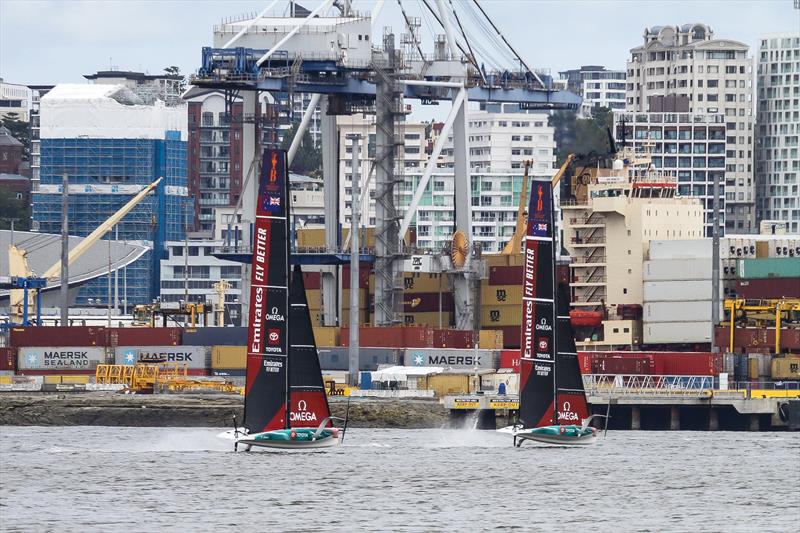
{"points": [[194, 410]]}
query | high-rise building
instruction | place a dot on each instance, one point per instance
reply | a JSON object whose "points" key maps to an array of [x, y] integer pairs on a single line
{"points": [[688, 64], [598, 87], [15, 98], [500, 141], [778, 130], [110, 144]]}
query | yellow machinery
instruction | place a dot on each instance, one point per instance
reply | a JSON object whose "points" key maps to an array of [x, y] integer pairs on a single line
{"points": [[221, 287], [18, 265], [514, 246], [157, 377], [762, 314], [145, 315]]}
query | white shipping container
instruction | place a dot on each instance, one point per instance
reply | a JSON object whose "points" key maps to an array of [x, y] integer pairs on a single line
{"points": [[677, 291], [451, 358], [677, 269], [681, 249], [676, 332], [61, 358], [693, 311], [195, 357]]}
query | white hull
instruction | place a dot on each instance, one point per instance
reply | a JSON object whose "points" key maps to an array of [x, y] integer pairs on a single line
{"points": [[555, 440]]}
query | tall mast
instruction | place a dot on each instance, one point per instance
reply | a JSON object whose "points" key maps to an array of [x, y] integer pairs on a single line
{"points": [[555, 309]]}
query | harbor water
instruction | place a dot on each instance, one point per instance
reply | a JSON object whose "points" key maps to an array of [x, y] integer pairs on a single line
{"points": [[179, 479]]}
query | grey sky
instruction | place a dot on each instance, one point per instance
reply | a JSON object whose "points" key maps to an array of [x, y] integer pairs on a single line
{"points": [[52, 41]]}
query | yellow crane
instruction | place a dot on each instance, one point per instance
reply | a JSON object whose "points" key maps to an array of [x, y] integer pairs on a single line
{"points": [[18, 261], [761, 313], [515, 244]]}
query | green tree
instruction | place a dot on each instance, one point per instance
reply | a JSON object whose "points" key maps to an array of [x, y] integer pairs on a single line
{"points": [[20, 130], [308, 159], [13, 209], [581, 136]]}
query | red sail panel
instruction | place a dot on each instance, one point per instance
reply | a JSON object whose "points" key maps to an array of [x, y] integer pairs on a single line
{"points": [[537, 346], [308, 402], [267, 342], [570, 396]]}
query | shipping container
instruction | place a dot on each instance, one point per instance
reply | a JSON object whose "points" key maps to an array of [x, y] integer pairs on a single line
{"points": [[424, 282], [194, 357], [692, 311], [228, 357], [433, 320], [144, 336], [501, 315], [758, 340], [326, 336], [312, 281], [677, 291], [363, 315], [391, 337], [677, 269], [314, 299], [611, 363], [509, 360], [58, 336], [369, 359], [462, 359], [446, 384], [427, 302], [768, 288], [505, 275], [490, 339], [585, 362], [676, 332], [453, 338], [363, 300], [73, 358], [499, 295], [8, 358], [775, 267], [511, 335], [785, 368], [681, 249], [215, 336], [363, 276]]}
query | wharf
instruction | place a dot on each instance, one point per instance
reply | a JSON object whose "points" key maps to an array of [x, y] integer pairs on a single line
{"points": [[761, 410]]}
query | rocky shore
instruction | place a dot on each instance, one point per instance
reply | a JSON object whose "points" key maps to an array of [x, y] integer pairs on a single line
{"points": [[193, 410]]}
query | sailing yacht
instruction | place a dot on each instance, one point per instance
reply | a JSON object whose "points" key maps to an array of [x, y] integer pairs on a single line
{"points": [[285, 404], [553, 407]]}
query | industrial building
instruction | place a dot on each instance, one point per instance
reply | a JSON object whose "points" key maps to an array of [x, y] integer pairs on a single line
{"points": [[109, 145], [712, 76], [778, 130]]}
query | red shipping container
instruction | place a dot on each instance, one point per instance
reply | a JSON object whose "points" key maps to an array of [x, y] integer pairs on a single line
{"points": [[453, 338], [689, 363], [391, 337], [144, 337], [58, 336], [757, 340], [510, 335], [754, 289], [622, 364], [428, 302], [312, 281], [585, 362], [510, 359], [8, 359], [505, 275], [363, 276]]}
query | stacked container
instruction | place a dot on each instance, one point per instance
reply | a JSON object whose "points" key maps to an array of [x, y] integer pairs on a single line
{"points": [[424, 296], [59, 350]]}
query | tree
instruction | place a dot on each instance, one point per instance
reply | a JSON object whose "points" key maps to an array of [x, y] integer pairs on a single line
{"points": [[176, 71], [575, 135], [13, 209], [20, 130], [308, 159]]}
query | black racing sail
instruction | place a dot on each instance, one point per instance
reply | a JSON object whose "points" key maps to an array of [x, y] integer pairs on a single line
{"points": [[266, 398], [551, 386], [572, 407], [307, 399], [538, 336]]}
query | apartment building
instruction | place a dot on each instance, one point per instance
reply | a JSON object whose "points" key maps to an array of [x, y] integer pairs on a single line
{"points": [[598, 87], [715, 77], [778, 130]]}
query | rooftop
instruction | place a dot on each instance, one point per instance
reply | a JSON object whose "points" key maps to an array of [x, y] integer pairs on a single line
{"points": [[6, 139]]}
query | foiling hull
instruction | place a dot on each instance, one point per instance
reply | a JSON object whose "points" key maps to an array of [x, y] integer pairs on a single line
{"points": [[286, 439], [555, 435]]}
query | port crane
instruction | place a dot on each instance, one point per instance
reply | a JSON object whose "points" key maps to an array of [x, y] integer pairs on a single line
{"points": [[340, 61], [761, 314]]}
